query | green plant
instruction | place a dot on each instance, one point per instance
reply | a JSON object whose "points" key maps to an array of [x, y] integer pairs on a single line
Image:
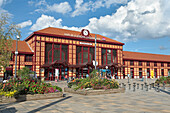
{"points": [[24, 73], [95, 83], [94, 74], [27, 86], [162, 80]]}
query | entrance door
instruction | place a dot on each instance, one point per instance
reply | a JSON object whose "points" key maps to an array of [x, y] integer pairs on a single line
{"points": [[49, 74], [140, 72], [148, 72], [155, 73], [132, 72]]}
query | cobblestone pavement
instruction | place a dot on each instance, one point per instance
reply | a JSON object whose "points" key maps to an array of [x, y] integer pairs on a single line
{"points": [[140, 101]]}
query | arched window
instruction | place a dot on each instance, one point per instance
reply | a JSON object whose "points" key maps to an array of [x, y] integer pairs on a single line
{"points": [[55, 52], [84, 54], [108, 56]]}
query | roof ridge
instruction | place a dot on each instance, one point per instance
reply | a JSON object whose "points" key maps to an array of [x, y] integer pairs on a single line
{"points": [[147, 53], [100, 36]]}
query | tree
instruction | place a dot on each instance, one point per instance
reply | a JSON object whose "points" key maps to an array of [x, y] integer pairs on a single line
{"points": [[24, 73], [8, 32]]}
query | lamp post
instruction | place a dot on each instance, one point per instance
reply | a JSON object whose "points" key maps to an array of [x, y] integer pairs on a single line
{"points": [[95, 51], [16, 53]]}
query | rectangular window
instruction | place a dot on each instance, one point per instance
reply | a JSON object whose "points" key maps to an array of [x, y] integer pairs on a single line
{"points": [[140, 63], [155, 64], [162, 64], [162, 72], [140, 72], [148, 63], [28, 58], [131, 63], [168, 64]]}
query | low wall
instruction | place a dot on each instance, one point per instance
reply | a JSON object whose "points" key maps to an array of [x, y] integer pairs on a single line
{"points": [[28, 97], [94, 92]]}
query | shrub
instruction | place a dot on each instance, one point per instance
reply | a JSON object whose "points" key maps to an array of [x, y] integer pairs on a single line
{"points": [[27, 86], [163, 79], [95, 83]]}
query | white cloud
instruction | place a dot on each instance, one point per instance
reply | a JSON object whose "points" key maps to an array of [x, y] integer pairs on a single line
{"points": [[108, 3], [138, 19], [2, 3], [25, 24], [43, 6], [46, 21], [83, 7], [147, 19], [162, 48], [63, 8]]}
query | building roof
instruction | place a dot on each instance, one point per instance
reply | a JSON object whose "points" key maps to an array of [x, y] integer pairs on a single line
{"points": [[127, 55], [23, 47], [63, 32]]}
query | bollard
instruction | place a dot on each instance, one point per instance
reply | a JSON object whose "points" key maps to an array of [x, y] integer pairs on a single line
{"points": [[125, 86], [122, 84], [153, 85], [141, 86], [163, 86], [158, 88], [119, 84], [137, 85], [129, 86], [150, 86], [146, 87], [145, 84], [134, 87]]}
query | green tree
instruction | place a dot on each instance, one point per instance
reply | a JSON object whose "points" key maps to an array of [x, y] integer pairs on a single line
{"points": [[8, 32], [24, 73]]}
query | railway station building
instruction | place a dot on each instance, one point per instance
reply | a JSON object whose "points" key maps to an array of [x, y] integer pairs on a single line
{"points": [[61, 53]]}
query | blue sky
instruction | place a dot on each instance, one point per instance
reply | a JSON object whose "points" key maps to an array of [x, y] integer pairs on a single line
{"points": [[143, 25]]}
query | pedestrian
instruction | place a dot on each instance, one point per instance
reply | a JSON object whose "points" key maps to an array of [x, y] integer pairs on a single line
{"points": [[87, 75]]}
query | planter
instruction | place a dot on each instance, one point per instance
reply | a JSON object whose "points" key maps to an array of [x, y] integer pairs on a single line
{"points": [[94, 92], [28, 97]]}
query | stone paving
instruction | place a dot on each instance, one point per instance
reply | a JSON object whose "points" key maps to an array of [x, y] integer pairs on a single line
{"points": [[140, 101]]}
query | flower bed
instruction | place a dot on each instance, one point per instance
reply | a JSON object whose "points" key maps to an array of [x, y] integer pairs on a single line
{"points": [[163, 79], [94, 83], [25, 86]]}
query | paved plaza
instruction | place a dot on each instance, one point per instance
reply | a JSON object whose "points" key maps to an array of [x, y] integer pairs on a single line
{"points": [[140, 101]]}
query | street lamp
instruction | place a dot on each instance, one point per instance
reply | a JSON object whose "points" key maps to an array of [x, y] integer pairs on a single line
{"points": [[95, 51], [16, 53]]}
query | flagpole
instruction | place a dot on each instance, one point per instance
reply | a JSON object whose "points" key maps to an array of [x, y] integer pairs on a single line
{"points": [[95, 51]]}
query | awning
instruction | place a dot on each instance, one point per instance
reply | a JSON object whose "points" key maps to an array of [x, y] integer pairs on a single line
{"points": [[56, 63], [45, 66], [109, 65], [82, 65]]}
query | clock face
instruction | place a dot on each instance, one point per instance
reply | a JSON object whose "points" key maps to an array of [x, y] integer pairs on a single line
{"points": [[85, 32]]}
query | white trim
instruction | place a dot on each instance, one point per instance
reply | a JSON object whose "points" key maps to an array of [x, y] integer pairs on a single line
{"points": [[29, 47]]}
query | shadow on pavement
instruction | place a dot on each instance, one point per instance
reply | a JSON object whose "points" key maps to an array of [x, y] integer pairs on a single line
{"points": [[165, 91], [9, 110], [48, 105]]}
